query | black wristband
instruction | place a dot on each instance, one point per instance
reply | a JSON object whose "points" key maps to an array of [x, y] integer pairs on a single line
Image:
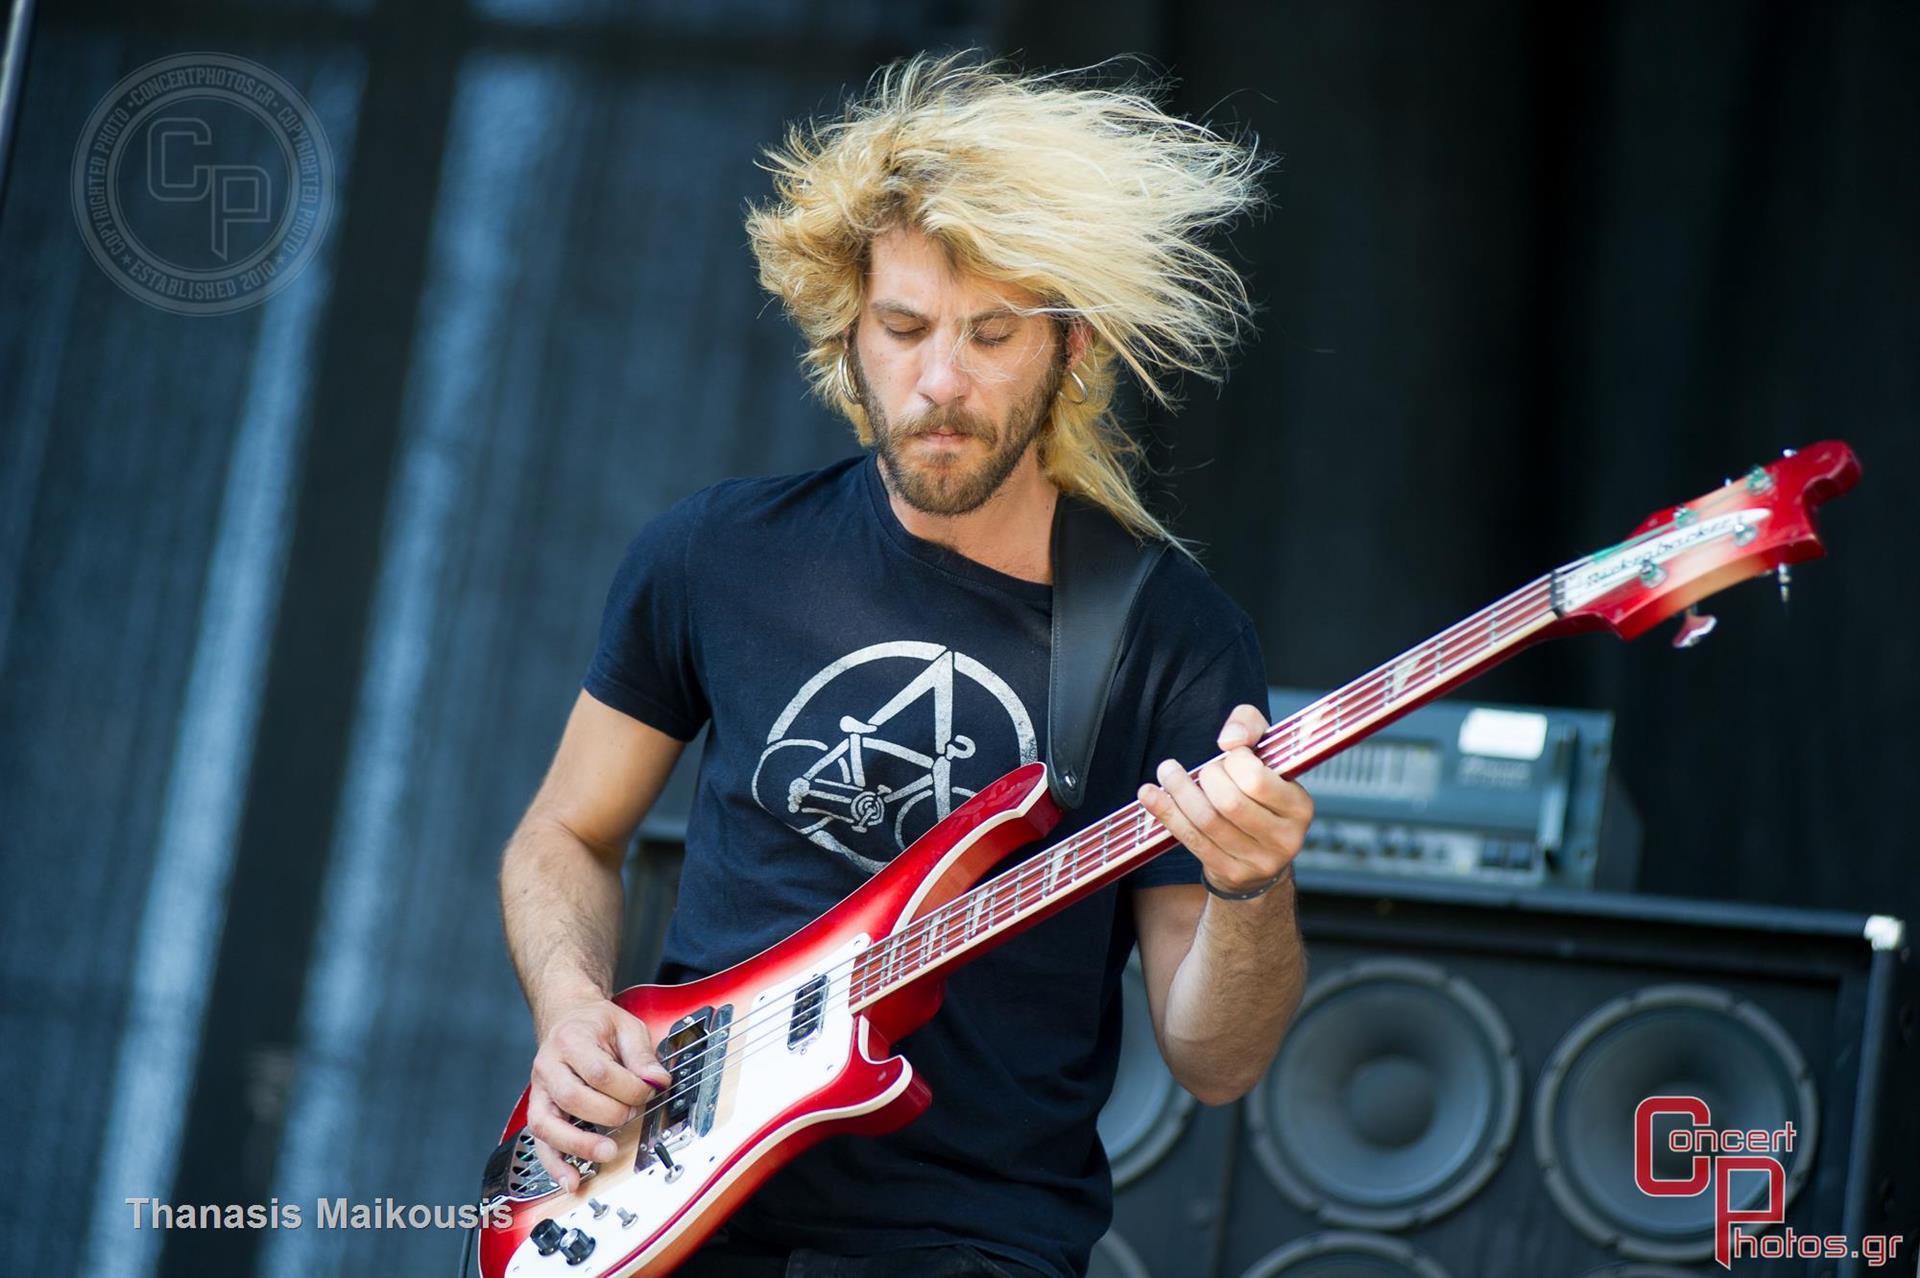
{"points": [[1250, 893]]}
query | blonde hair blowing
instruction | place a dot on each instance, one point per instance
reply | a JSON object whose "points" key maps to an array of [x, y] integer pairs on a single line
{"points": [[1094, 198]]}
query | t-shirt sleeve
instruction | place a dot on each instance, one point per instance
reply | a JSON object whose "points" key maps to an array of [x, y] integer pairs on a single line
{"points": [[645, 663], [1187, 727]]}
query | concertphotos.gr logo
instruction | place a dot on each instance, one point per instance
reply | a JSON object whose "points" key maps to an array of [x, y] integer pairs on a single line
{"points": [[202, 183], [1714, 1157]]}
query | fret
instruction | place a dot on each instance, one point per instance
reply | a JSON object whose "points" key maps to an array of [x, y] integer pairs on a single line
{"points": [[1022, 900], [1398, 677], [973, 915], [995, 906], [1312, 726], [1287, 743], [1053, 871]]}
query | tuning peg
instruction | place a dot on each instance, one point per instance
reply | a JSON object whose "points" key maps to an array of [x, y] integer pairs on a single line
{"points": [[1694, 627], [1786, 579]]}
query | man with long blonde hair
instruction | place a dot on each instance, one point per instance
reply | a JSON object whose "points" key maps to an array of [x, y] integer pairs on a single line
{"points": [[973, 257]]}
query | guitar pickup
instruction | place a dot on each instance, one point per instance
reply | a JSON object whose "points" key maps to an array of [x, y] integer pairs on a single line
{"points": [[809, 1014], [694, 1051]]}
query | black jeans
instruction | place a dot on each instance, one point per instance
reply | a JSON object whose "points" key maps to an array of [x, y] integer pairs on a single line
{"points": [[725, 1257]]}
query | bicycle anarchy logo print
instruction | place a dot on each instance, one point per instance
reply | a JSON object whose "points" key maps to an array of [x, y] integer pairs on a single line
{"points": [[202, 183], [1714, 1157], [876, 748]]}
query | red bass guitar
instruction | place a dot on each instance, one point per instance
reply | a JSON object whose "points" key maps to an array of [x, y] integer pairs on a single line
{"points": [[793, 1045]]}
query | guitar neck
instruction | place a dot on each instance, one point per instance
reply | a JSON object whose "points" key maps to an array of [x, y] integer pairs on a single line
{"points": [[1048, 882]]}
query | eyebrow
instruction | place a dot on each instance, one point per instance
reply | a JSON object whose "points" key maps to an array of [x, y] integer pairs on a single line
{"points": [[901, 309]]}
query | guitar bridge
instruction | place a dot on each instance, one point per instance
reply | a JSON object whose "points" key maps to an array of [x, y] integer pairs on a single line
{"points": [[694, 1051]]}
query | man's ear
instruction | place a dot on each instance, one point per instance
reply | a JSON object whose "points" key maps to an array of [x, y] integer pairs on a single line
{"points": [[1079, 335]]}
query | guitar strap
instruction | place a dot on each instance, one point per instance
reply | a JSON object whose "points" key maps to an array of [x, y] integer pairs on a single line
{"points": [[1098, 569]]}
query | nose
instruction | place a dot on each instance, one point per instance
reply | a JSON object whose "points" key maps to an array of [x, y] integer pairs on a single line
{"points": [[942, 379]]}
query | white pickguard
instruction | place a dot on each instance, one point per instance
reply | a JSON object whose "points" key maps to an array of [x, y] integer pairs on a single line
{"points": [[763, 1078]]}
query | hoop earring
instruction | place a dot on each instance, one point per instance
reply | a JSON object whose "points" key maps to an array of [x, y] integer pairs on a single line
{"points": [[844, 376], [1074, 373]]}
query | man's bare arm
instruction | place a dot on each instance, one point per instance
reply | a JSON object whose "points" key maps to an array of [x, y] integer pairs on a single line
{"points": [[560, 903], [1224, 979]]}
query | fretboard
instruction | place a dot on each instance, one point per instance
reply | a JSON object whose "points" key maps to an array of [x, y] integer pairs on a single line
{"points": [[1056, 877]]}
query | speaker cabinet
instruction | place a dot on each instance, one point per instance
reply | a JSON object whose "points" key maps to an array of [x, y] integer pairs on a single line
{"points": [[1456, 1098], [1171, 1159]]}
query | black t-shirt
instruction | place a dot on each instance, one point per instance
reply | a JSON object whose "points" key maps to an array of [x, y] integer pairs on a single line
{"points": [[859, 683]]}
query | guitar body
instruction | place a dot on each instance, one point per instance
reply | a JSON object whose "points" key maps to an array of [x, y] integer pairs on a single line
{"points": [[795, 1044], [768, 1057]]}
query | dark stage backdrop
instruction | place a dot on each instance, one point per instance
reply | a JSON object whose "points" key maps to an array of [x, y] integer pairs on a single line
{"points": [[293, 601]]}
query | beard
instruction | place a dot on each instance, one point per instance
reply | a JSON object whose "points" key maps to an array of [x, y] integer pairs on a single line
{"points": [[951, 484]]}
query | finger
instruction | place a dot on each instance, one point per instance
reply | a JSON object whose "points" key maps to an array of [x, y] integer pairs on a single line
{"points": [[571, 1093], [566, 1137], [555, 1166], [594, 1062], [1285, 799], [1244, 827], [1244, 726], [554, 1136], [1182, 807], [1202, 801], [636, 1051], [1275, 793]]}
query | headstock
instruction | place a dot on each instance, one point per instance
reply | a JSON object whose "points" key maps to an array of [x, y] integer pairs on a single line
{"points": [[1756, 524]]}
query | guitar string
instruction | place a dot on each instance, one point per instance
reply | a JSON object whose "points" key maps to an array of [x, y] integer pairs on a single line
{"points": [[1522, 603], [1036, 872], [1015, 888], [1368, 684], [1035, 867], [1104, 851], [995, 902]]}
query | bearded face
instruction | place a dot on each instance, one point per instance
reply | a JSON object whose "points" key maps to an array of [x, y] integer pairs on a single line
{"points": [[957, 373], [947, 460]]}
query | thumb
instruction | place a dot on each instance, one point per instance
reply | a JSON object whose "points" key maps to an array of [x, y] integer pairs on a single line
{"points": [[636, 1049]]}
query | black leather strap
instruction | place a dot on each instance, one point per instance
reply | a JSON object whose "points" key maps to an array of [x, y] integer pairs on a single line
{"points": [[1098, 569]]}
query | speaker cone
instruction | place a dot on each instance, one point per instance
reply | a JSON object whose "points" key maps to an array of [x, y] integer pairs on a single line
{"points": [[1667, 1040], [1393, 1099], [1345, 1255], [1147, 1110]]}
